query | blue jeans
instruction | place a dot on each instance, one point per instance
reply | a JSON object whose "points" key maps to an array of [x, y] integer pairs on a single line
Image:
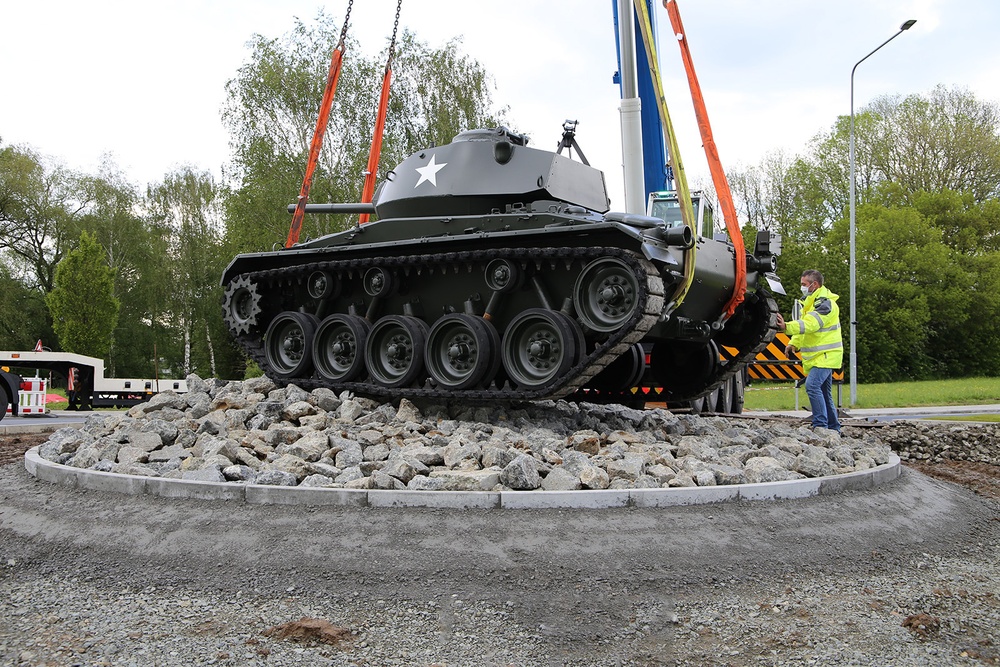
{"points": [[819, 389]]}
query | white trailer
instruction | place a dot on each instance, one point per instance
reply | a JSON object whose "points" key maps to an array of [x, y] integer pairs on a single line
{"points": [[94, 390]]}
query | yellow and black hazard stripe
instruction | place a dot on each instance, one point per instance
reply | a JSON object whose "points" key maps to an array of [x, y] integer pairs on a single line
{"points": [[774, 365]]}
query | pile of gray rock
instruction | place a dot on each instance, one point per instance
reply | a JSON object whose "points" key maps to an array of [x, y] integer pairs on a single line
{"points": [[256, 432], [944, 441]]}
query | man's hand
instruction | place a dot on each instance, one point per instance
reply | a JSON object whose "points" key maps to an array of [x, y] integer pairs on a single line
{"points": [[781, 322], [790, 350]]}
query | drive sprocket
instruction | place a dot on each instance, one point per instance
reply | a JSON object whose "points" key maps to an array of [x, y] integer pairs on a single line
{"points": [[241, 305]]}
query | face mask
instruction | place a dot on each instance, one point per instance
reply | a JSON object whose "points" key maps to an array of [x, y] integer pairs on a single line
{"points": [[805, 291]]}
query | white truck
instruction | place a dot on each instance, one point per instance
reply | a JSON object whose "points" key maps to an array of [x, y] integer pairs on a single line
{"points": [[93, 390]]}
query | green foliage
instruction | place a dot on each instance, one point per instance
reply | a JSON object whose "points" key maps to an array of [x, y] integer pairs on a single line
{"points": [[83, 307], [928, 213], [159, 254], [135, 252], [947, 140], [436, 94], [186, 208], [252, 371], [927, 230], [24, 318], [271, 113], [38, 205]]}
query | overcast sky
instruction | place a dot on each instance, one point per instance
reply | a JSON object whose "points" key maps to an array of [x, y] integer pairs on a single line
{"points": [[144, 82]]}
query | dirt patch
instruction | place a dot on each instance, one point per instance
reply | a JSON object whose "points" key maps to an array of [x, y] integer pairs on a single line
{"points": [[13, 447], [309, 630], [982, 478]]}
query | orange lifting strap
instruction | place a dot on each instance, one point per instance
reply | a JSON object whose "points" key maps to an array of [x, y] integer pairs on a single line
{"points": [[321, 123], [317, 140], [714, 164], [371, 171]]}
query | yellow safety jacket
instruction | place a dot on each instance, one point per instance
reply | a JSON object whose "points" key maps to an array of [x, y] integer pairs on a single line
{"points": [[817, 331]]}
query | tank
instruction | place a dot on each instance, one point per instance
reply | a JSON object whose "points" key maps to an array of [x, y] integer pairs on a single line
{"points": [[495, 271]]}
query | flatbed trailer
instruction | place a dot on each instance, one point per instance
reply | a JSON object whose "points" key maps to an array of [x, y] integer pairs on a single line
{"points": [[94, 390]]}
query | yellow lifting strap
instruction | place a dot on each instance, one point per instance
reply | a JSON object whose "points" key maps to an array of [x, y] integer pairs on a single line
{"points": [[673, 154], [719, 179]]}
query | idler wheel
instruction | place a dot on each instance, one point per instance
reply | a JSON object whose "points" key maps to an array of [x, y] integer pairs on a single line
{"points": [[241, 305], [606, 294], [539, 346], [288, 345], [339, 347], [394, 352], [461, 351]]}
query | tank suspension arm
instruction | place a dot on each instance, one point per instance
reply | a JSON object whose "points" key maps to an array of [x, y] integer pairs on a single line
{"points": [[540, 293], [354, 207], [492, 305]]}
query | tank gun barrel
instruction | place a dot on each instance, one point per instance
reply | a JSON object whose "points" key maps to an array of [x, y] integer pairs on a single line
{"points": [[355, 207]]}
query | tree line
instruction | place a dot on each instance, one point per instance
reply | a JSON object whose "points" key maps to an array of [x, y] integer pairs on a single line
{"points": [[927, 220], [95, 264]]}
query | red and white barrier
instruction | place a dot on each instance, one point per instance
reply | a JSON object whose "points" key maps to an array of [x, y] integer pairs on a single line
{"points": [[31, 397]]}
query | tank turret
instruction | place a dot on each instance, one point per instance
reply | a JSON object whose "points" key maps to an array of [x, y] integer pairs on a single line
{"points": [[486, 170]]}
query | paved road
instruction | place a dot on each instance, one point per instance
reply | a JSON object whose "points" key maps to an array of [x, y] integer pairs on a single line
{"points": [[889, 414], [52, 420]]}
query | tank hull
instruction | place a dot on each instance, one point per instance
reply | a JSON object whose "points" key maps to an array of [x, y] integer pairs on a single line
{"points": [[514, 286]]}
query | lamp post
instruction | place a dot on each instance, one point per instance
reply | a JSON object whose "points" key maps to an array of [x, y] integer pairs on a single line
{"points": [[854, 318]]}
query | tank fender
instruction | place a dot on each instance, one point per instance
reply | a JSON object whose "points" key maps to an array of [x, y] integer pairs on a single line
{"points": [[632, 219], [659, 254]]}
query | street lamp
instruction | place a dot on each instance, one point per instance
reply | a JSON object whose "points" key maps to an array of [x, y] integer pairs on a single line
{"points": [[854, 318]]}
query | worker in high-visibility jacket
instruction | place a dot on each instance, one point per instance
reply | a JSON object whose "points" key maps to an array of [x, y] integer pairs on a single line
{"points": [[817, 337]]}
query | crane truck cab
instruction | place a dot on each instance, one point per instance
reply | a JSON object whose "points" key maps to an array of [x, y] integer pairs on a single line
{"points": [[666, 206]]}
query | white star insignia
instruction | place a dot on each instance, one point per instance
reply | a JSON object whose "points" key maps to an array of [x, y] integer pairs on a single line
{"points": [[429, 172]]}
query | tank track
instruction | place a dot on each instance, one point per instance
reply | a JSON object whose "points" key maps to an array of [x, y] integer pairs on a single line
{"points": [[766, 329], [650, 302]]}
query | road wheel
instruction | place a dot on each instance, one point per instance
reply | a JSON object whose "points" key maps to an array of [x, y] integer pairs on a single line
{"points": [[394, 352], [539, 346], [339, 347], [460, 352], [606, 294], [288, 345]]}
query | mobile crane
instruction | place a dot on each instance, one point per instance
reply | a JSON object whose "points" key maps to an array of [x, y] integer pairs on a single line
{"points": [[654, 172]]}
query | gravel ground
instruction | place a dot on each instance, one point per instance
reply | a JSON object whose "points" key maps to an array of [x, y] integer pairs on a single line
{"points": [[902, 575]]}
